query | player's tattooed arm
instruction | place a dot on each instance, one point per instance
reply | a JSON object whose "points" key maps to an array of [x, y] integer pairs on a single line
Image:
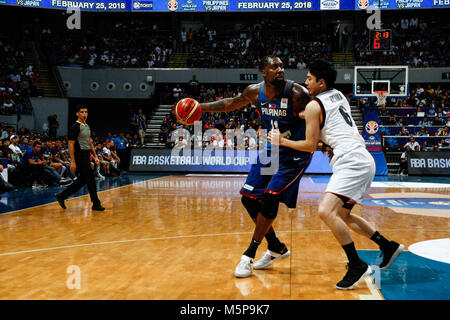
{"points": [[249, 95]]}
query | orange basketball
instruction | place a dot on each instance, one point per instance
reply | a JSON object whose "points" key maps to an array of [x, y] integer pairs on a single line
{"points": [[188, 111]]}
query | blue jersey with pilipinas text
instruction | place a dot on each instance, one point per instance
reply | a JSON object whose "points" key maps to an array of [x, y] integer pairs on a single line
{"points": [[280, 115]]}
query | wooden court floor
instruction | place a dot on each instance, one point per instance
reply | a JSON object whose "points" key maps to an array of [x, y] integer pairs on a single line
{"points": [[180, 237]]}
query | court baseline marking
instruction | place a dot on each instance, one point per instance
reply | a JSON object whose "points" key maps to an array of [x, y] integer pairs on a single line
{"points": [[169, 238]]}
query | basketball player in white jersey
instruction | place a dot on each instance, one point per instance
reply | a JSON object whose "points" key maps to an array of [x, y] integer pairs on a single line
{"points": [[328, 118]]}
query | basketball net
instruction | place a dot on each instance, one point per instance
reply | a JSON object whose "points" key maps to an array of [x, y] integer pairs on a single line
{"points": [[381, 97]]}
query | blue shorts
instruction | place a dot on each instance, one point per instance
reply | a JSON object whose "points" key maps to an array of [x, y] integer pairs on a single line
{"points": [[284, 182]]}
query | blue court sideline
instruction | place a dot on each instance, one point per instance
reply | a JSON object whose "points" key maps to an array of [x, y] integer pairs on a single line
{"points": [[22, 198]]}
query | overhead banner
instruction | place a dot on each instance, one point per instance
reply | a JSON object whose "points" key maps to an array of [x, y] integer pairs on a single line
{"points": [[227, 5], [428, 163], [163, 160], [401, 4], [86, 5]]}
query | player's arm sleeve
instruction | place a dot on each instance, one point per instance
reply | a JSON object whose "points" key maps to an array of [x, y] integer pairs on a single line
{"points": [[312, 120]]}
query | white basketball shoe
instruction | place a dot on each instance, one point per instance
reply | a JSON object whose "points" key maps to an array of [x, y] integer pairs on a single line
{"points": [[268, 258], [244, 268]]}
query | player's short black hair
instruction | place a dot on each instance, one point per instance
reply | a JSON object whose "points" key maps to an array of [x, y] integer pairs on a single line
{"points": [[81, 106], [323, 70], [265, 61]]}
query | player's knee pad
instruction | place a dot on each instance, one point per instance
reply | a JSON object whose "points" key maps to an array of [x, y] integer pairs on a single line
{"points": [[270, 205], [253, 206]]}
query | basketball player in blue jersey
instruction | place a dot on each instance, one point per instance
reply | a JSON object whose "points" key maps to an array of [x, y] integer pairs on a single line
{"points": [[328, 117], [279, 102]]}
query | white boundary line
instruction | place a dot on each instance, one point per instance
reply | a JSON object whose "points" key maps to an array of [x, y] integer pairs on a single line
{"points": [[375, 293], [121, 241], [153, 239]]}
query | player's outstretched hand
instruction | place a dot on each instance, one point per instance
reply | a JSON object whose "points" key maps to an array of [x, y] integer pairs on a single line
{"points": [[274, 136]]}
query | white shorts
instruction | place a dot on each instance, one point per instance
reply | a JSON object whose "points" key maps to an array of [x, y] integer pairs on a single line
{"points": [[353, 174]]}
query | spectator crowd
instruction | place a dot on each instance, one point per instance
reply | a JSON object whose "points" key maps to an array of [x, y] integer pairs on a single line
{"points": [[18, 80], [113, 48], [244, 45], [417, 42]]}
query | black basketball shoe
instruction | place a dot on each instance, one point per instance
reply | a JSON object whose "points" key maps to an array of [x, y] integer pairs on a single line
{"points": [[353, 276], [390, 253]]}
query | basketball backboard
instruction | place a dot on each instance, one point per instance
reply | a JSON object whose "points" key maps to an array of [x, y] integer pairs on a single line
{"points": [[369, 79]]}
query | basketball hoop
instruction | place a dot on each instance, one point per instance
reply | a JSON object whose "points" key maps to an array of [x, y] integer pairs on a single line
{"points": [[381, 97]]}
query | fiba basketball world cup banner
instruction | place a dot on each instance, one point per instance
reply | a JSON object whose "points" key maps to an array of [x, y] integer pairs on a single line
{"points": [[164, 160], [371, 132], [371, 135], [428, 163]]}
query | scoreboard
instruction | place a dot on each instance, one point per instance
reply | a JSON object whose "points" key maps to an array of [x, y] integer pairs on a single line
{"points": [[380, 40], [227, 5]]}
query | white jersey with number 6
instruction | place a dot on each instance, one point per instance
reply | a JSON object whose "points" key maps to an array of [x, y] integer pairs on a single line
{"points": [[353, 166], [339, 130]]}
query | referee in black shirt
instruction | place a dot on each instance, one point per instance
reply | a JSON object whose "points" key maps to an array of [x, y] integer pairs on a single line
{"points": [[80, 147]]}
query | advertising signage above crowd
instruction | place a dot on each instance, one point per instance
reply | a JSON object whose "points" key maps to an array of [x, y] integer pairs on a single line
{"points": [[102, 5], [227, 5]]}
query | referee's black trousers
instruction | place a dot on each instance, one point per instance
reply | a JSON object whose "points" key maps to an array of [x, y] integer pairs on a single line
{"points": [[85, 176]]}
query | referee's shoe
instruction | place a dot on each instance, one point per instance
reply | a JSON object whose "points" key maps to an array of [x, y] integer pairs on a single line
{"points": [[98, 207], [59, 197]]}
